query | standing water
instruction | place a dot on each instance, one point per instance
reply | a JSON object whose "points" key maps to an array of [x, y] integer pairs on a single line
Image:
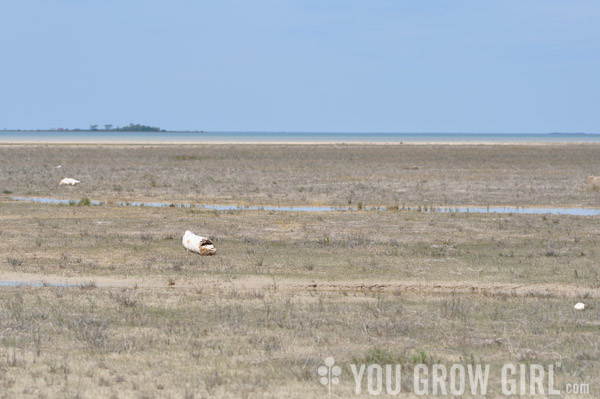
{"points": [[456, 209]]}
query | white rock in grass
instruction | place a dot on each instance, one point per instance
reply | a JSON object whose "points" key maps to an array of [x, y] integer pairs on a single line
{"points": [[68, 181], [579, 306], [198, 244]]}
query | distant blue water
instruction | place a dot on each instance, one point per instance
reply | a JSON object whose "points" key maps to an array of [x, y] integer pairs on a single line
{"points": [[442, 209], [207, 137]]}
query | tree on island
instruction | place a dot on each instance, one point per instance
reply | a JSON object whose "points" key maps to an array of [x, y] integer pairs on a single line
{"points": [[138, 128], [132, 127]]}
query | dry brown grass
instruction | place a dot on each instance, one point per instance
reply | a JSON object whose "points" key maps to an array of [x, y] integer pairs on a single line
{"points": [[145, 319], [59, 342], [305, 174], [110, 241]]}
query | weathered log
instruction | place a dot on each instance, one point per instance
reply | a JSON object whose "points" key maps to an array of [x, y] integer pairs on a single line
{"points": [[198, 244]]}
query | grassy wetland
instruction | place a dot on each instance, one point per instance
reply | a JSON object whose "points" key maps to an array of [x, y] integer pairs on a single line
{"points": [[138, 317]]}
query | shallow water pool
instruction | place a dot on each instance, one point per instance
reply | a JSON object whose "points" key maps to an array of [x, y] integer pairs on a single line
{"points": [[442, 209]]}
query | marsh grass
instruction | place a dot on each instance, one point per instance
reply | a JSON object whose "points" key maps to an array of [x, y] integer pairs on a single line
{"points": [[371, 175], [348, 245], [14, 262], [124, 298], [81, 334], [201, 327]]}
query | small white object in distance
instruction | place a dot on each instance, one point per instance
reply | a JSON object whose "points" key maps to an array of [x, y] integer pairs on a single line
{"points": [[68, 181]]}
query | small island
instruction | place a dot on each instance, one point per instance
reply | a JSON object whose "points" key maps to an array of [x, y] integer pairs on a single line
{"points": [[132, 127]]}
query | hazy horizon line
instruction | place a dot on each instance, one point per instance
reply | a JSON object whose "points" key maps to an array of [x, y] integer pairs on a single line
{"points": [[289, 131]]}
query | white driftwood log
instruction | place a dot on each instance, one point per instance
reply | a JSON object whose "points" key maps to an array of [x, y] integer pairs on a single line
{"points": [[68, 181], [198, 244]]}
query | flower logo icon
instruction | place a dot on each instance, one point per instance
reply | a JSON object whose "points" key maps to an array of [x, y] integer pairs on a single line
{"points": [[329, 373]]}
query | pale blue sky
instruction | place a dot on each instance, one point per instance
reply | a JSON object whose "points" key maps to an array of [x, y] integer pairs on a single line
{"points": [[304, 65]]}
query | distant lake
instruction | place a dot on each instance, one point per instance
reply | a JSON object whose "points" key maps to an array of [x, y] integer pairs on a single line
{"points": [[208, 137]]}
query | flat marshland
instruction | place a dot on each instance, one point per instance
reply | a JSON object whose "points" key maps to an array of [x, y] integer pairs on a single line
{"points": [[335, 175], [139, 317]]}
